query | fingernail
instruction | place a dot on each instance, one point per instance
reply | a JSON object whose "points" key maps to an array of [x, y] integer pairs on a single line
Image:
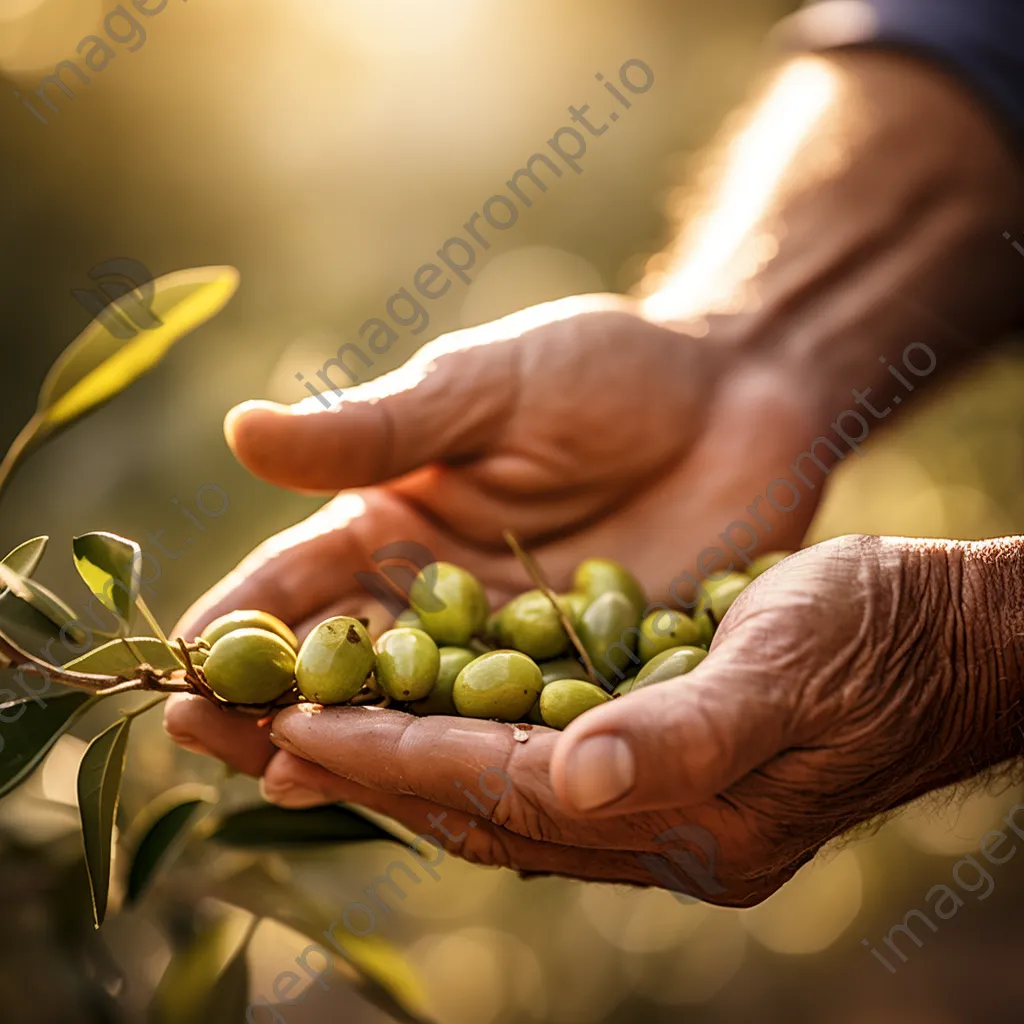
{"points": [[292, 797], [601, 770]]}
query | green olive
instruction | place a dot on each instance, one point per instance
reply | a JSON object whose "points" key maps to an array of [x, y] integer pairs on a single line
{"points": [[502, 685], [407, 663], [676, 661], [706, 627], [562, 668], [626, 686], [609, 634], [250, 666], [667, 628], [722, 593], [408, 619], [334, 661], [439, 701], [531, 624], [764, 562], [574, 605], [566, 699], [450, 602], [597, 576], [248, 619]]}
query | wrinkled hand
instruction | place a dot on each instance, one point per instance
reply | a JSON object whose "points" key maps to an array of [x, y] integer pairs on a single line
{"points": [[841, 684]]}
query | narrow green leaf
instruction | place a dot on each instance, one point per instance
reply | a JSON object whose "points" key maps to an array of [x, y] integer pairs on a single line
{"points": [[117, 659], [25, 558], [32, 728], [385, 978], [206, 982], [99, 789], [374, 967], [162, 827], [30, 629], [42, 600], [265, 826], [110, 567], [99, 364]]}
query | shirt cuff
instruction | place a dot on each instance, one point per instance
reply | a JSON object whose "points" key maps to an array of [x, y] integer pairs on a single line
{"points": [[982, 41]]}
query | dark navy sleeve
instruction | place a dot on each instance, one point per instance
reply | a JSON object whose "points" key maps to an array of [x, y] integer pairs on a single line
{"points": [[980, 40]]}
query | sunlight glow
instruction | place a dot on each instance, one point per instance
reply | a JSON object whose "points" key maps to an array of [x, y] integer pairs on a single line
{"points": [[705, 275]]}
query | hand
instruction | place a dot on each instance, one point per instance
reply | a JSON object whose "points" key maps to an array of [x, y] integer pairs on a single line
{"points": [[580, 426], [849, 679]]}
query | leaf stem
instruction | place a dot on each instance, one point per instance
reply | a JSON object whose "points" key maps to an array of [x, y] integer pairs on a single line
{"points": [[533, 570], [155, 626], [19, 448]]}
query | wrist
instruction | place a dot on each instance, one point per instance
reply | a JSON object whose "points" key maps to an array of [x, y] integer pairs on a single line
{"points": [[877, 263], [987, 651]]}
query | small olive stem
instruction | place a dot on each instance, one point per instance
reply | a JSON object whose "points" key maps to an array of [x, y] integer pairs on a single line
{"points": [[533, 570], [195, 676], [132, 684]]}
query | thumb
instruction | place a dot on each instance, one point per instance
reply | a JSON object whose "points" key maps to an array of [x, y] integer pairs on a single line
{"points": [[450, 400], [677, 743]]}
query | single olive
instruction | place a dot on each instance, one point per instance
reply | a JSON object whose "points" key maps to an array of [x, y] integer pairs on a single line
{"points": [[597, 576], [334, 661], [531, 624], [608, 632], [439, 701], [407, 663], [248, 619], [722, 593], [764, 562], [676, 661], [667, 628], [626, 686], [408, 619], [562, 668], [706, 627], [566, 699], [450, 602], [501, 684], [250, 666], [574, 605]]}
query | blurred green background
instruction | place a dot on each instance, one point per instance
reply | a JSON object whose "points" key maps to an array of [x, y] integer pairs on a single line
{"points": [[327, 148]]}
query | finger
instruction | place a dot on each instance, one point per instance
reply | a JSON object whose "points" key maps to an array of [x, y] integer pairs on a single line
{"points": [[469, 765], [450, 399], [292, 782], [303, 569], [199, 725], [680, 742]]}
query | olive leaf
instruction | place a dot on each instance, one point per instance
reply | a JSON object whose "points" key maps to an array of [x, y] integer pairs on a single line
{"points": [[263, 827], [374, 967], [99, 364], [110, 567], [99, 789], [25, 558], [159, 831], [123, 656], [22, 589], [206, 982], [40, 723]]}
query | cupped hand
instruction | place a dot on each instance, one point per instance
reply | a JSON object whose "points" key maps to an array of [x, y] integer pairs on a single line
{"points": [[842, 683], [582, 427]]}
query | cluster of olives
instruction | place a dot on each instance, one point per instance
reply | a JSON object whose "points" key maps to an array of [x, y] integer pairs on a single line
{"points": [[448, 655]]}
